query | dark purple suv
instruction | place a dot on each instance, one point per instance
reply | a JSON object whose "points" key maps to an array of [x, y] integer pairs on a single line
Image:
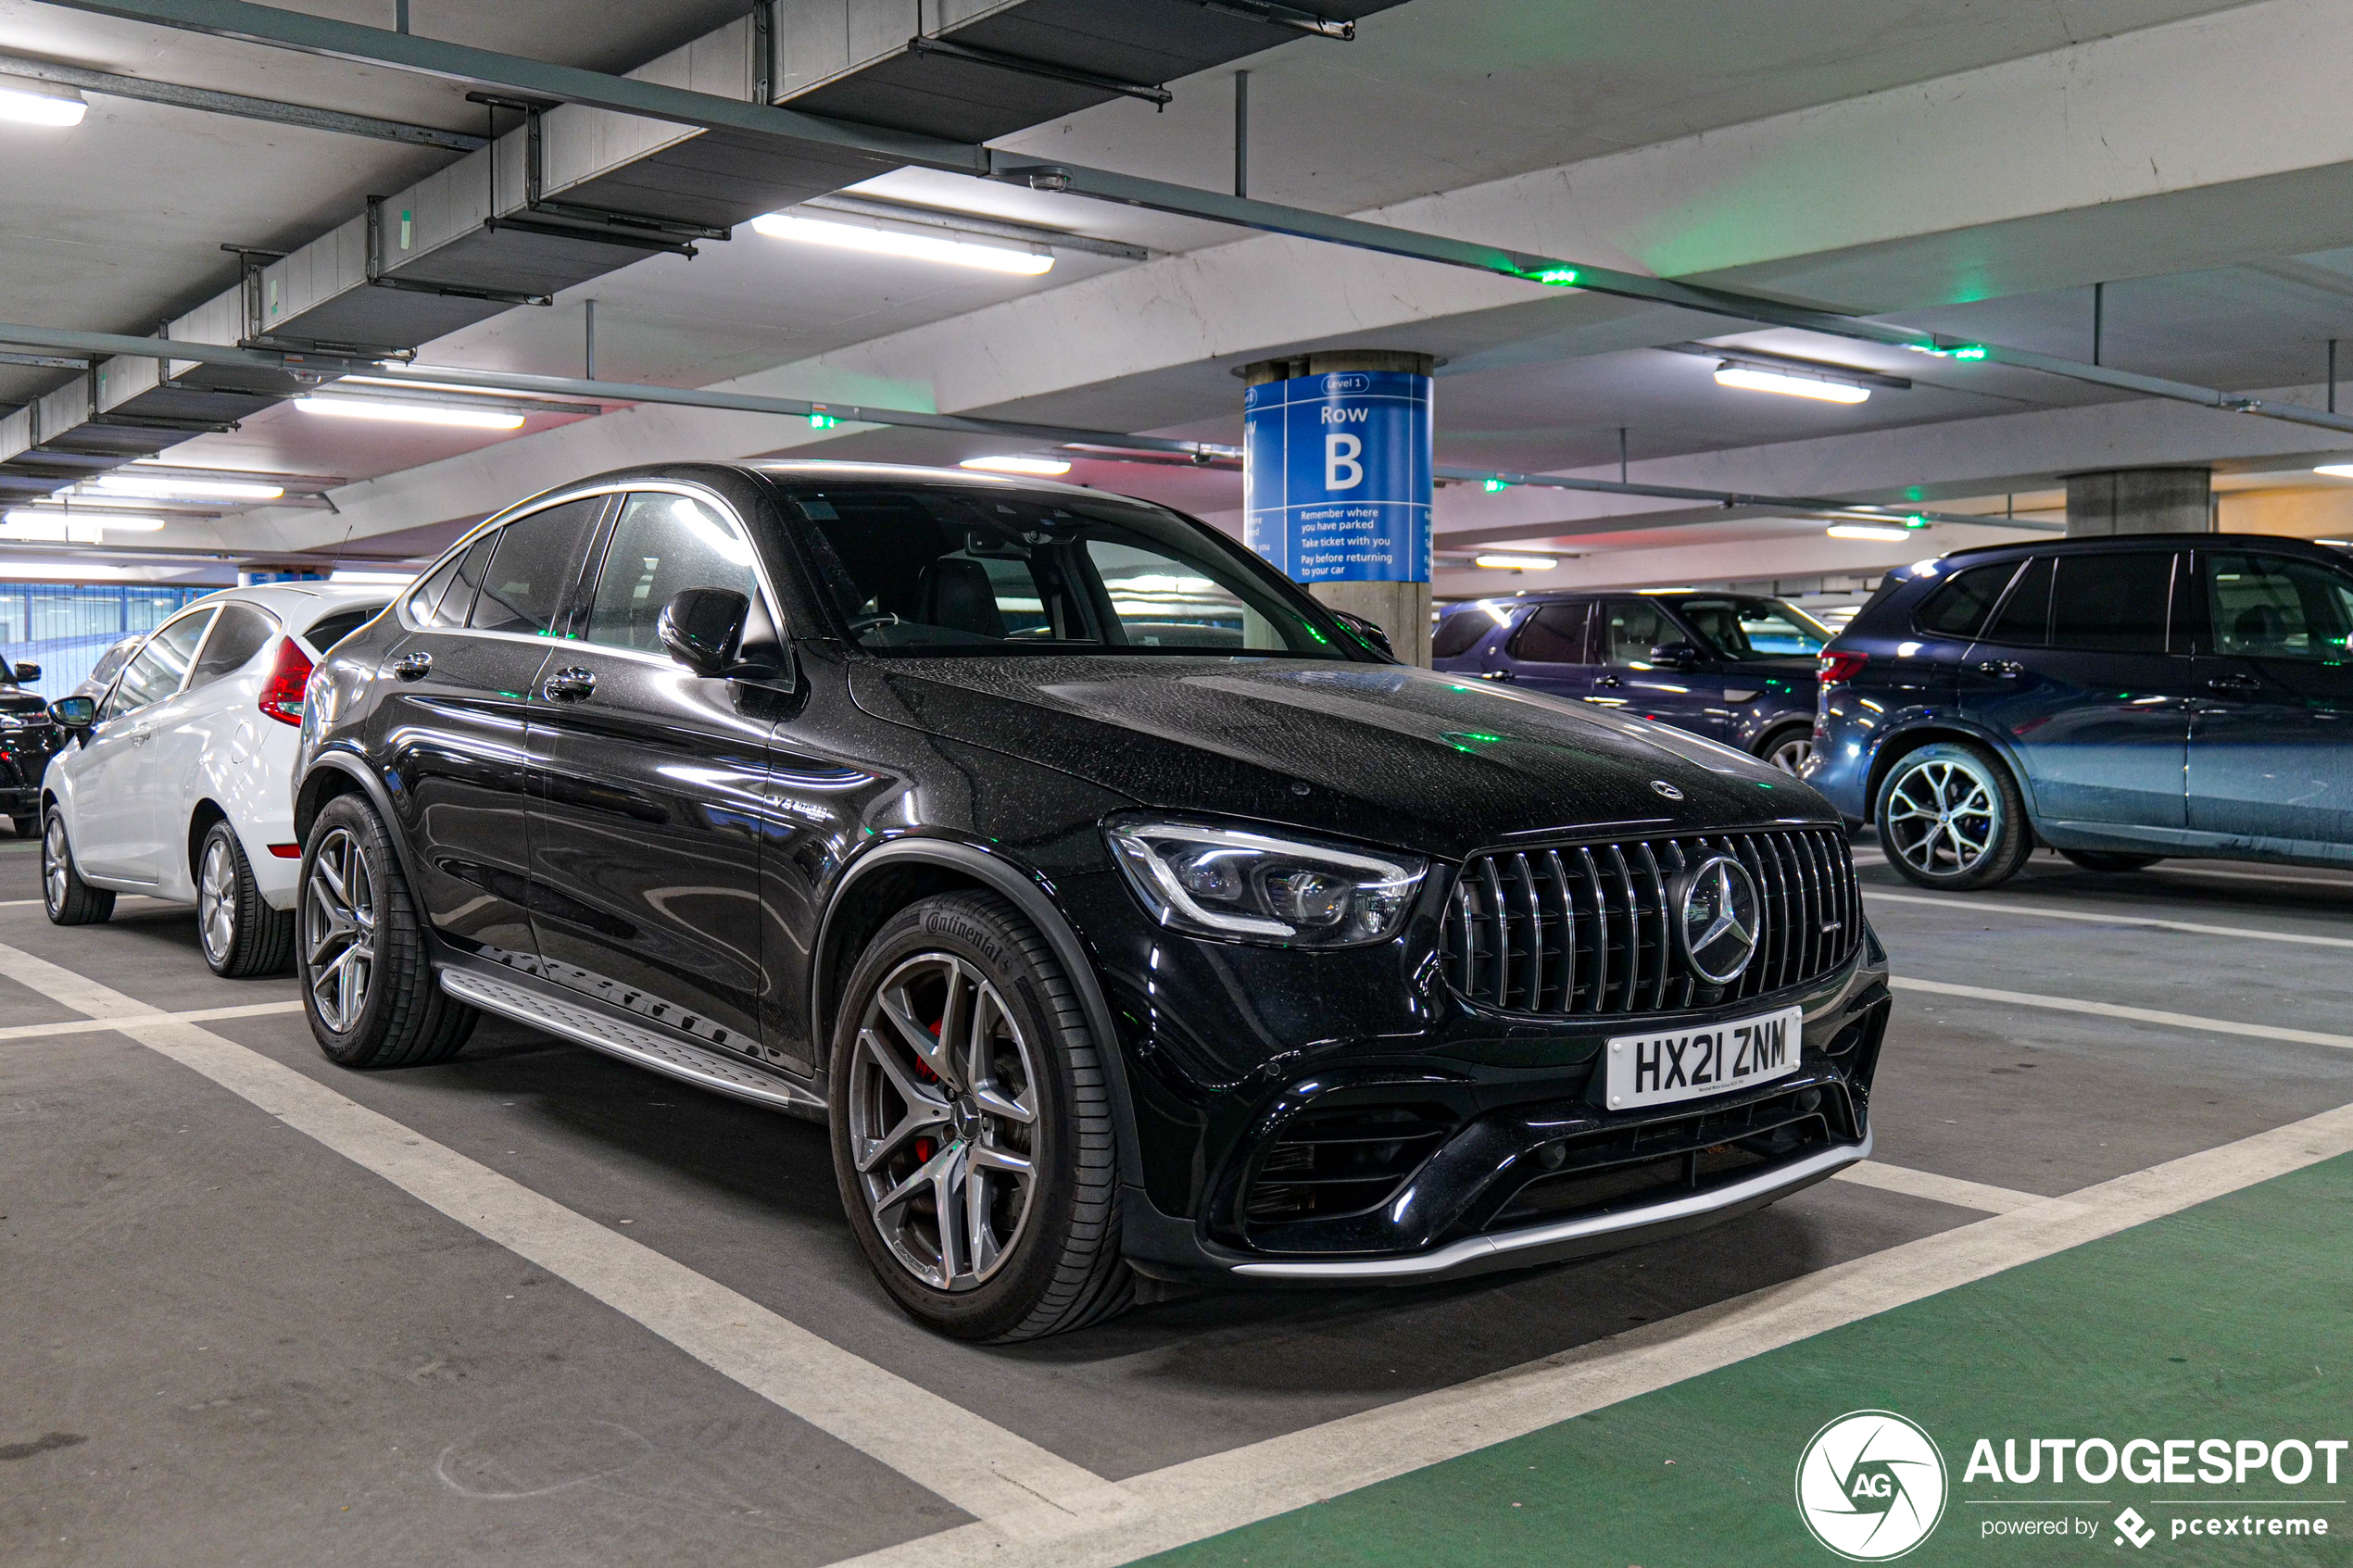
{"points": [[1732, 667]]}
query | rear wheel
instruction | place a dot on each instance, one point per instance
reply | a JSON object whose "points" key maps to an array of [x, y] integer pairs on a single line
{"points": [[2111, 860], [68, 898], [974, 1140], [1950, 817], [1788, 749], [241, 933], [366, 983]]}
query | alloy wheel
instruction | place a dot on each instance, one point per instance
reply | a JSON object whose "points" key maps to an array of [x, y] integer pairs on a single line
{"points": [[339, 931], [943, 1117], [217, 901], [1791, 754], [55, 858], [1943, 818]]}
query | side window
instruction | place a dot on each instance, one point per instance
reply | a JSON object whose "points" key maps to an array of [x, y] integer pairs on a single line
{"points": [[329, 630], [426, 597], [1956, 608], [1554, 635], [238, 634], [2270, 606], [156, 671], [534, 563], [2112, 604], [2024, 620], [661, 545], [1460, 632], [1633, 627]]}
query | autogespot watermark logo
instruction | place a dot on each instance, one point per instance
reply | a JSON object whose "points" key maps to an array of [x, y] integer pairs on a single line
{"points": [[1870, 1485]]}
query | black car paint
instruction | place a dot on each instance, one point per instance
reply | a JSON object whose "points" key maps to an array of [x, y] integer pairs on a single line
{"points": [[2109, 750], [550, 844], [1781, 692]]}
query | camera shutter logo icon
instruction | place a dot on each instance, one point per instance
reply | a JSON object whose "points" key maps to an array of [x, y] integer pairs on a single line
{"points": [[1870, 1485]]}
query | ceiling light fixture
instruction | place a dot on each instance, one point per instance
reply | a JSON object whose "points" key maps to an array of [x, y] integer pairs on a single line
{"points": [[186, 489], [1516, 563], [37, 103], [1749, 379], [1047, 466], [409, 413], [127, 522], [1866, 530], [887, 242], [2335, 471]]}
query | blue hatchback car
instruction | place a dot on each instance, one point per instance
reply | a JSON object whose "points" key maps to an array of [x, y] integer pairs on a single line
{"points": [[2121, 699], [1732, 667]]}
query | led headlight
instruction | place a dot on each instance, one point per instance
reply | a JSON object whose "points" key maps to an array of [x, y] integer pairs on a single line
{"points": [[1225, 882]]}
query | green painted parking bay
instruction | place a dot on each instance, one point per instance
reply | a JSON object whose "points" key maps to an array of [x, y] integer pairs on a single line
{"points": [[2231, 1319]]}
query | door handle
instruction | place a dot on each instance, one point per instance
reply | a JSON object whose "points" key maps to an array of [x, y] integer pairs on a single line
{"points": [[2001, 669], [143, 734], [1498, 675], [569, 684], [413, 666], [1607, 681], [2241, 683]]}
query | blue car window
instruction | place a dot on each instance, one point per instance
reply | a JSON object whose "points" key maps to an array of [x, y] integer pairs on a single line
{"points": [[1634, 627], [1554, 635], [2112, 603], [1958, 608], [2268, 606], [1746, 629], [1460, 632], [2025, 618]]}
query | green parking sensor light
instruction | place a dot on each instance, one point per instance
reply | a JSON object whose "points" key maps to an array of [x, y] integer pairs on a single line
{"points": [[1949, 351], [822, 422], [1559, 276], [1492, 485]]}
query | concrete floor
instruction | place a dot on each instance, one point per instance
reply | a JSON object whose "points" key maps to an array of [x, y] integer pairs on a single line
{"points": [[223, 1342]]}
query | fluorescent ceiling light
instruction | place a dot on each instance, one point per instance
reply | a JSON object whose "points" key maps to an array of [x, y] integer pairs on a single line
{"points": [[186, 489], [1865, 531], [1017, 465], [409, 413], [429, 386], [2336, 470], [130, 522], [887, 242], [1516, 563], [1749, 379], [37, 103]]}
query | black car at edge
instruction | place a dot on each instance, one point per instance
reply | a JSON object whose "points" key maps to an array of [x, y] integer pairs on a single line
{"points": [[1120, 910]]}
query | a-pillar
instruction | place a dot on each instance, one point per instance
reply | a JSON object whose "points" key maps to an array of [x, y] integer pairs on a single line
{"points": [[1336, 481], [2168, 500]]}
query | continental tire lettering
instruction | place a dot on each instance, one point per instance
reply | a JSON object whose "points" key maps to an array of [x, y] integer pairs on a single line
{"points": [[938, 923]]}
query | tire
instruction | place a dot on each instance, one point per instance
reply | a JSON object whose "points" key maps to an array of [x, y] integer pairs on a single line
{"points": [[68, 898], [27, 827], [1052, 1261], [2110, 860], [368, 985], [240, 935], [1950, 817], [1788, 748]]}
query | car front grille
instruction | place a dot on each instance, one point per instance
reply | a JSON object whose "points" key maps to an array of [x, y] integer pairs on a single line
{"points": [[1585, 929], [1342, 1160]]}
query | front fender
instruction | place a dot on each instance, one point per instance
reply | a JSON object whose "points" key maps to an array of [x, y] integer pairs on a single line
{"points": [[1919, 726]]}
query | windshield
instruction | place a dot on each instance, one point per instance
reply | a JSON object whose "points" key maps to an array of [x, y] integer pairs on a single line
{"points": [[924, 569], [1744, 629]]}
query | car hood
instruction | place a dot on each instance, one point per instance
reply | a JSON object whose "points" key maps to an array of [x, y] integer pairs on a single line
{"points": [[1387, 753]]}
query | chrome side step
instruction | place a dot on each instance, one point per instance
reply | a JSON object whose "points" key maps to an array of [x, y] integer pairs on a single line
{"points": [[630, 1042]]}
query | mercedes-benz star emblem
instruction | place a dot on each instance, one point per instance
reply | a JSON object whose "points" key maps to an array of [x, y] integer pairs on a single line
{"points": [[1719, 920], [1668, 790]]}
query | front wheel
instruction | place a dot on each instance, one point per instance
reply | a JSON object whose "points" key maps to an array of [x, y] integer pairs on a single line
{"points": [[241, 933], [68, 898], [368, 985], [2110, 860], [974, 1140], [1789, 749], [1951, 818]]}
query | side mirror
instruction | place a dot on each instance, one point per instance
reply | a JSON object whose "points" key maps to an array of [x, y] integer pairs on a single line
{"points": [[702, 628], [74, 712], [28, 672], [1365, 632], [1675, 656]]}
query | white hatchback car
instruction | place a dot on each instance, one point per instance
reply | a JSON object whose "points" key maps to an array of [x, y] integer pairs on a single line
{"points": [[180, 785]]}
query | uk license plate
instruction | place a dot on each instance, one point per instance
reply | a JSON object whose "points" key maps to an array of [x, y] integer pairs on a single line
{"points": [[1687, 1063]]}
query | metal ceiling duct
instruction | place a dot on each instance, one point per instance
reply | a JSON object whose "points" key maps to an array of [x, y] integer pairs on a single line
{"points": [[576, 191]]}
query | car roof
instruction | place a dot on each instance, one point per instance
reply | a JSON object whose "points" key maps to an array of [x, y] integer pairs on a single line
{"points": [[2094, 542], [295, 601], [818, 470]]}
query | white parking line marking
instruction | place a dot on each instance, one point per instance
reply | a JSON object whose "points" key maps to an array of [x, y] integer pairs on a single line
{"points": [[1876, 858], [2113, 1010], [98, 1025], [1944, 1189], [2191, 926], [1206, 1497], [969, 1460]]}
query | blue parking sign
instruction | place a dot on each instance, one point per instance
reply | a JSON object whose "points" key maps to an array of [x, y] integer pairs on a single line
{"points": [[1335, 476]]}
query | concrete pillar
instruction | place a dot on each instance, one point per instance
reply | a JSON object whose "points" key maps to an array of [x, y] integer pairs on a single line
{"points": [[1337, 483], [2140, 501]]}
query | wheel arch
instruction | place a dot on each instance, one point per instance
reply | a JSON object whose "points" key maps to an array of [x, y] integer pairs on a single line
{"points": [[206, 813], [1894, 748], [894, 874], [334, 773]]}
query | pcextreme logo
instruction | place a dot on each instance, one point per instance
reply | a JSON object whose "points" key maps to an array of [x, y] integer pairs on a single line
{"points": [[1870, 1485]]}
